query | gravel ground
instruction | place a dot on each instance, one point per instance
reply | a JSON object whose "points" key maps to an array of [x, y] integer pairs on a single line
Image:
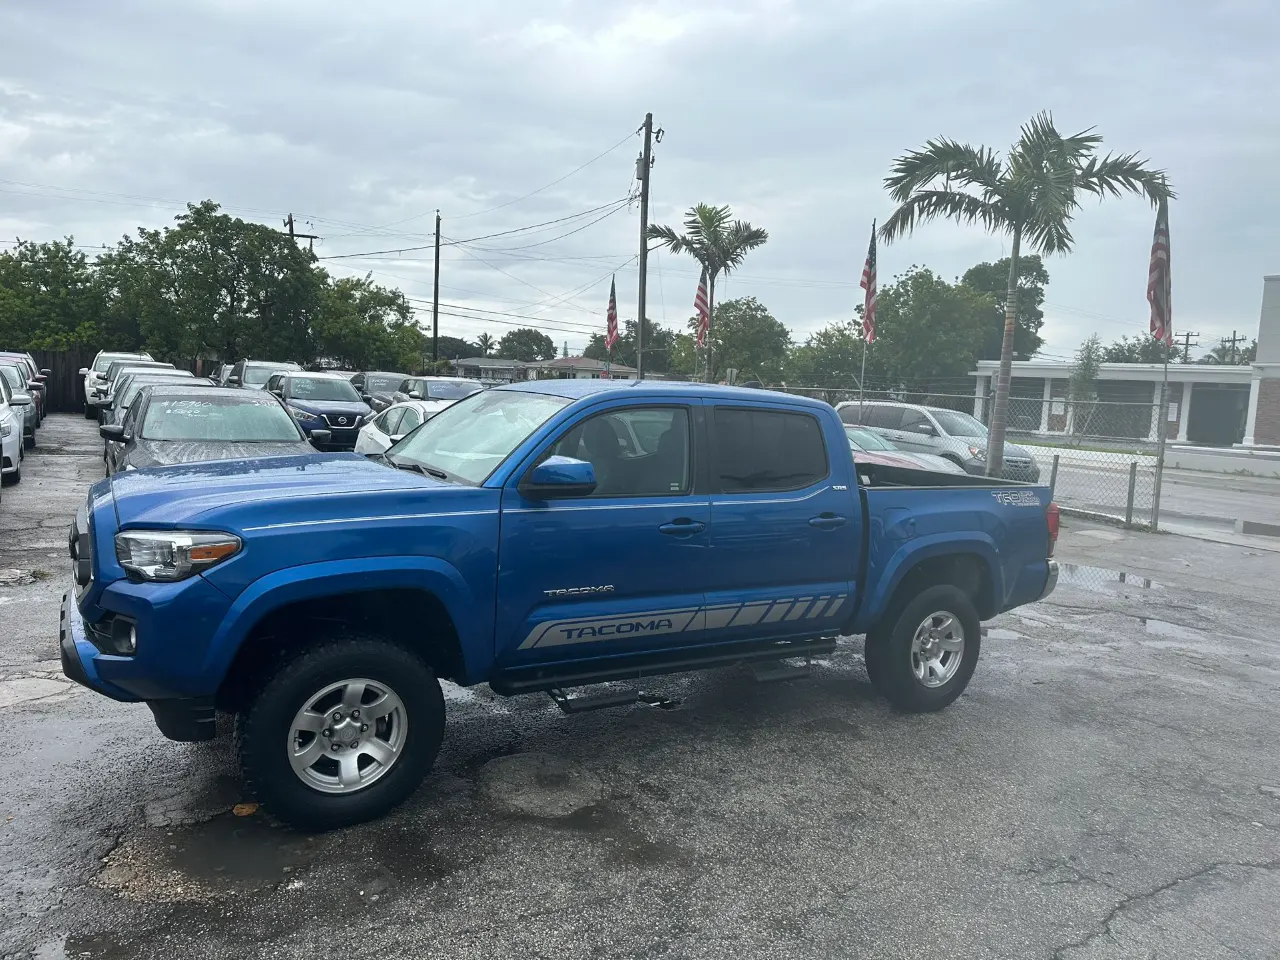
{"points": [[1108, 787]]}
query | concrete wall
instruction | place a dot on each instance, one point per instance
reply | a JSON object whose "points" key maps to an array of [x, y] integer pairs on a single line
{"points": [[1256, 463]]}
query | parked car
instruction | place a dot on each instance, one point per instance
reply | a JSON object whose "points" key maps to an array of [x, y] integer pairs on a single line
{"points": [[131, 382], [511, 540], [11, 442], [104, 392], [35, 380], [869, 445], [183, 423], [322, 402], [957, 436], [95, 373], [439, 391], [254, 374], [22, 398], [377, 387], [392, 425]]}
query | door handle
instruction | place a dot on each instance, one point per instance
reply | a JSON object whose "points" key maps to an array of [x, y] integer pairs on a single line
{"points": [[682, 527], [827, 521]]}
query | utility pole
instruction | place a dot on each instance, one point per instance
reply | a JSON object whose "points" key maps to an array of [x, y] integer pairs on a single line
{"points": [[1187, 345], [435, 302], [1233, 341], [288, 222], [642, 174]]}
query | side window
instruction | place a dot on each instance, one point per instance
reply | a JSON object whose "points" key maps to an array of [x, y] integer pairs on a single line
{"points": [[391, 420], [411, 420], [912, 419], [130, 421], [887, 418], [849, 414], [766, 450], [636, 452]]}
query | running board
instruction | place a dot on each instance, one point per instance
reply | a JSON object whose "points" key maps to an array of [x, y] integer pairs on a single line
{"points": [[532, 679], [600, 701]]}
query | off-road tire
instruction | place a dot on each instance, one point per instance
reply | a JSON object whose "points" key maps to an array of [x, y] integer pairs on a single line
{"points": [[263, 729]]}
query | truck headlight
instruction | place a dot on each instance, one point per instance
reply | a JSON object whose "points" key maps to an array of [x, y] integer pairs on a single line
{"points": [[169, 555], [978, 453]]}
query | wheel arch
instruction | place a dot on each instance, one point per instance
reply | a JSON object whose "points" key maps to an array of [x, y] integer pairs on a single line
{"points": [[970, 565]]}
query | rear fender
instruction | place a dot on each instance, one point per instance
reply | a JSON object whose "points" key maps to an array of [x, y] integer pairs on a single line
{"points": [[318, 580], [916, 551]]}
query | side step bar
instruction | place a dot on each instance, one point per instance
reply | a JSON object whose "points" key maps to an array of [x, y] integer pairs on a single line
{"points": [[544, 678]]}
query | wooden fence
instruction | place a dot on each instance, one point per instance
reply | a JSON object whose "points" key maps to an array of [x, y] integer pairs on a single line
{"points": [[66, 386]]}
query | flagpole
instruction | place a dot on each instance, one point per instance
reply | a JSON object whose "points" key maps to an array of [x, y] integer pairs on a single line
{"points": [[862, 377]]}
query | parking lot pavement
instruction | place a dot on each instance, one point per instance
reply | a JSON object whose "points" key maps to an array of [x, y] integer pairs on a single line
{"points": [[1108, 787]]}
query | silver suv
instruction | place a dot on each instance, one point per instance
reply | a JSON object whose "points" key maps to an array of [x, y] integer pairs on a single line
{"points": [[956, 436]]}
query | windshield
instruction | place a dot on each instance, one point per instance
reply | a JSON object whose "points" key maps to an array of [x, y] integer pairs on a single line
{"points": [[130, 386], [256, 375], [382, 383], [100, 365], [450, 390], [114, 372], [305, 388], [958, 424], [217, 418], [471, 438], [867, 440]]}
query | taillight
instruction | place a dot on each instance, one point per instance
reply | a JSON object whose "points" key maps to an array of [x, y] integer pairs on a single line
{"points": [[1051, 514]]}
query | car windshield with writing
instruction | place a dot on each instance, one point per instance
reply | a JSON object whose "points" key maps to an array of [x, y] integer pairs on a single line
{"points": [[471, 438], [217, 419], [382, 383], [322, 388], [447, 390], [958, 424]]}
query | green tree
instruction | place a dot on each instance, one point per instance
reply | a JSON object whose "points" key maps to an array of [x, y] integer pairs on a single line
{"points": [[1083, 384], [1031, 195], [527, 344], [993, 280], [48, 299], [719, 243], [453, 348], [658, 345], [928, 332], [486, 344], [830, 357], [1137, 350], [746, 337], [362, 326], [1223, 353]]}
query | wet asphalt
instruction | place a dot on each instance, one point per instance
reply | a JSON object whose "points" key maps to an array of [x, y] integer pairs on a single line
{"points": [[1109, 786]]}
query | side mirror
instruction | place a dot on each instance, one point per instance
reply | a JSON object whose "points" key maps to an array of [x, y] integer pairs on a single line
{"points": [[557, 477], [20, 400], [278, 392], [320, 437], [84, 372], [111, 431], [45, 371], [397, 438], [366, 397], [414, 395], [925, 429], [233, 381]]}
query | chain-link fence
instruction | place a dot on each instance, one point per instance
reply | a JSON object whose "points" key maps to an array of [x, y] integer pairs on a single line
{"points": [[1100, 457]]}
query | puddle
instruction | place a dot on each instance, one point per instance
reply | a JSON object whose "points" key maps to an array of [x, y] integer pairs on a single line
{"points": [[1101, 579], [28, 689], [540, 785], [1164, 628], [98, 946], [223, 857]]}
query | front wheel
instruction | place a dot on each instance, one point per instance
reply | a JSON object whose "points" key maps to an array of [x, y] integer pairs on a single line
{"points": [[341, 733], [925, 658]]}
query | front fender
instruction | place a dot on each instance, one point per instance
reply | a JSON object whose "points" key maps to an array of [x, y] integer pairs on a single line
{"points": [[917, 550], [315, 580]]}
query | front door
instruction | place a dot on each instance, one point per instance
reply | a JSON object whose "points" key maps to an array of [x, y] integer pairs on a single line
{"points": [[618, 571], [786, 526]]}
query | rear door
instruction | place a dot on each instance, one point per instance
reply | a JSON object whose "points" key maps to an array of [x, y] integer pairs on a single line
{"points": [[786, 524], [619, 571]]}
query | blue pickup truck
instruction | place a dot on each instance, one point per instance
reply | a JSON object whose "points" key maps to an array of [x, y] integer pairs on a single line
{"points": [[545, 536]]}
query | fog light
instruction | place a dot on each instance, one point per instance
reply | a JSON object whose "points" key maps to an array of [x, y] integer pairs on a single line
{"points": [[124, 636]]}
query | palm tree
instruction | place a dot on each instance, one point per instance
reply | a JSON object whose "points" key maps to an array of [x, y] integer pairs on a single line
{"points": [[485, 343], [1032, 195], [716, 241]]}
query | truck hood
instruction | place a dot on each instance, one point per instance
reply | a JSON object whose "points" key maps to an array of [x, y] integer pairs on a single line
{"points": [[235, 493]]}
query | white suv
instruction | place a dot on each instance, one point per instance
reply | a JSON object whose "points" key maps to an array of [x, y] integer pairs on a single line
{"points": [[11, 446], [93, 376]]}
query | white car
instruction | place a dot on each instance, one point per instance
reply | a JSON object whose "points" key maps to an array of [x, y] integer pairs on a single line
{"points": [[390, 426], [93, 376], [11, 445]]}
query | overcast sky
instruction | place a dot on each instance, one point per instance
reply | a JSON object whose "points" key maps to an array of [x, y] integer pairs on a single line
{"points": [[362, 118]]}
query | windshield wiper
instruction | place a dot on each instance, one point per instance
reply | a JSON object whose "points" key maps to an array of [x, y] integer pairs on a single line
{"points": [[422, 468]]}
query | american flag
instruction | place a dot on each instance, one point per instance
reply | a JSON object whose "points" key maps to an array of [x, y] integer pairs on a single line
{"points": [[1159, 281], [700, 305], [869, 284], [611, 334]]}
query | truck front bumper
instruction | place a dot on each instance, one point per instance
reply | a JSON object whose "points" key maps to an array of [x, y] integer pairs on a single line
{"points": [[187, 719]]}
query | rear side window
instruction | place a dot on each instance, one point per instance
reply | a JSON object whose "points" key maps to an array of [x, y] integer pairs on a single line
{"points": [[767, 450], [849, 414], [887, 418]]}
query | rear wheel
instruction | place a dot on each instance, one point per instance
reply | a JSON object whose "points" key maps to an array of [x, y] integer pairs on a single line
{"points": [[925, 658], [341, 732]]}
